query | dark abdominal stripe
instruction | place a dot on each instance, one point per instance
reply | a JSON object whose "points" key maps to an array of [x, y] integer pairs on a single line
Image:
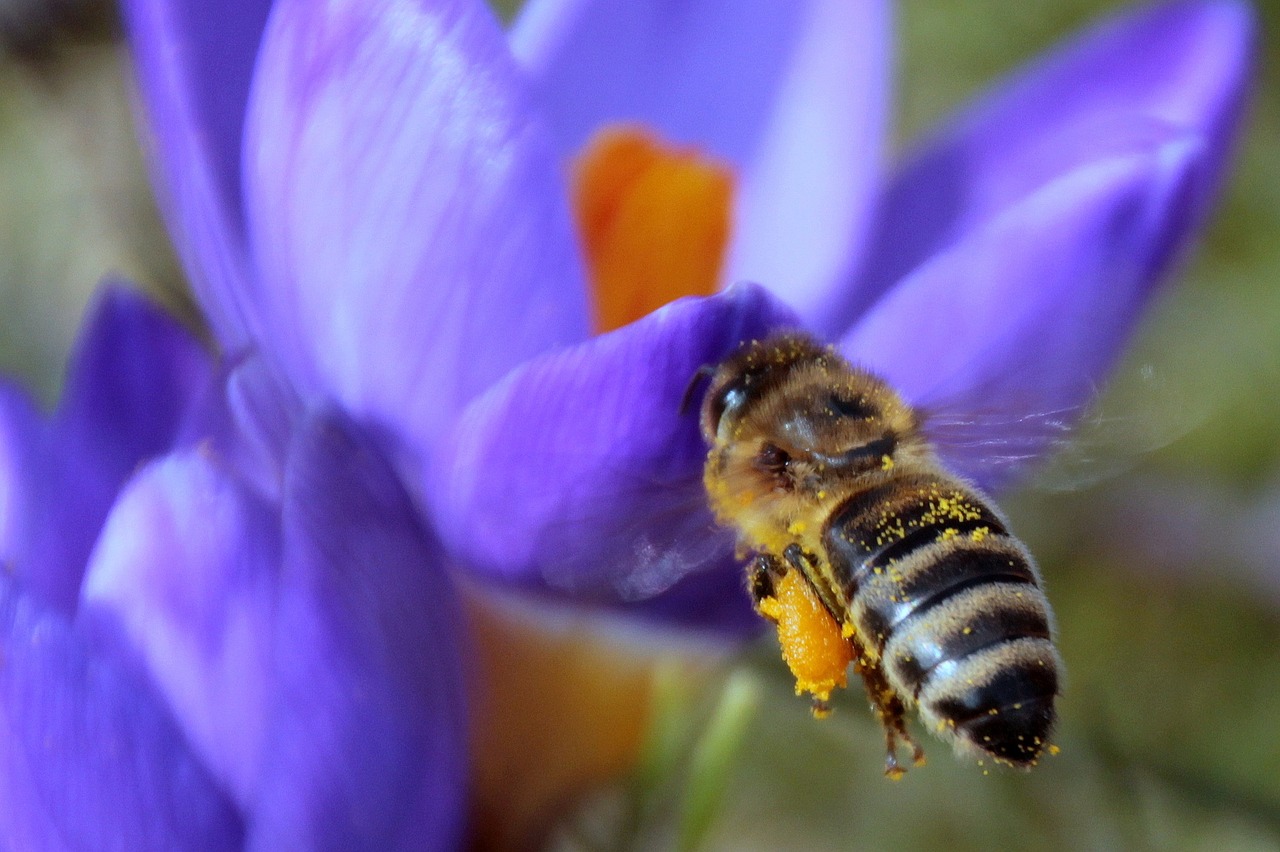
{"points": [[987, 630], [938, 587], [886, 524]]}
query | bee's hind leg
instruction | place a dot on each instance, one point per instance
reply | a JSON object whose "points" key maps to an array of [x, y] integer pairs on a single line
{"points": [[885, 701], [765, 574], [891, 711]]}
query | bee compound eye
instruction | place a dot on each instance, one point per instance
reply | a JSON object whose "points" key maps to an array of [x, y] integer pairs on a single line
{"points": [[772, 458], [729, 400]]}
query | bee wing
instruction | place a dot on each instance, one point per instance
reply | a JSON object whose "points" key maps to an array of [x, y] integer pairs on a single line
{"points": [[996, 447], [997, 441], [598, 552]]}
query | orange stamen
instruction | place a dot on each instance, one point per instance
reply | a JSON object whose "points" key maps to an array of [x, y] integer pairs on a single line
{"points": [[654, 222], [813, 644]]}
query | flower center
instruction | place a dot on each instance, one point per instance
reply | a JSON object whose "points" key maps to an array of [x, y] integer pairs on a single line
{"points": [[654, 221]]}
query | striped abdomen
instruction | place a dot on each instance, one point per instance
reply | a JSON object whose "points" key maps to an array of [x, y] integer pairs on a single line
{"points": [[952, 604]]}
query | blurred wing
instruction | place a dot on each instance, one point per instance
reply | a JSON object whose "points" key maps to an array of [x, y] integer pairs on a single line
{"points": [[994, 447], [636, 555], [1000, 441]]}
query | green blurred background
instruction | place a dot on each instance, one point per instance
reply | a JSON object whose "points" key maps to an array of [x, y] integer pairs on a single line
{"points": [[1165, 576]]}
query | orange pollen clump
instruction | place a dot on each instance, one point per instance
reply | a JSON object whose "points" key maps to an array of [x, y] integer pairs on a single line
{"points": [[654, 222], [813, 645]]}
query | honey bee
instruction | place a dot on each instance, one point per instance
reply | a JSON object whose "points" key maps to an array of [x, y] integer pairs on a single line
{"points": [[865, 549]]}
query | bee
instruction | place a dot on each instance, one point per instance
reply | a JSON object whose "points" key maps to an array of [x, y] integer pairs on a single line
{"points": [[864, 549]]}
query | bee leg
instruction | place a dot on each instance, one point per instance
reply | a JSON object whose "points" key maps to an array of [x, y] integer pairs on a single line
{"points": [[807, 564], [885, 701], [891, 712], [798, 559], [762, 576]]}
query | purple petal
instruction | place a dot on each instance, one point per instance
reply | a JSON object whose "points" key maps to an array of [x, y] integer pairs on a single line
{"points": [[184, 578], [579, 467], [195, 62], [713, 599], [134, 377], [367, 744], [793, 94], [1178, 68], [406, 210], [248, 422], [1027, 313], [88, 758], [20, 430], [135, 371]]}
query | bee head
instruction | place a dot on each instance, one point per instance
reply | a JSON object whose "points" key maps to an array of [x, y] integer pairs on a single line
{"points": [[751, 375], [796, 414]]}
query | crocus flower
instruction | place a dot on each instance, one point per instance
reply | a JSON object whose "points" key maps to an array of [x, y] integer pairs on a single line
{"points": [[375, 196], [372, 198], [196, 657]]}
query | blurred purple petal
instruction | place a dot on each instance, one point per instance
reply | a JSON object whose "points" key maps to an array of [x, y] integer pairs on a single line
{"points": [[580, 468], [367, 746], [1178, 68], [713, 598], [134, 376], [194, 63], [260, 411], [184, 579], [406, 209], [20, 430], [1030, 311], [88, 758], [793, 94]]}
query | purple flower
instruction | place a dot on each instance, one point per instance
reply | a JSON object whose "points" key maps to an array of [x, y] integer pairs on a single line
{"points": [[374, 197], [228, 622], [194, 660], [225, 621]]}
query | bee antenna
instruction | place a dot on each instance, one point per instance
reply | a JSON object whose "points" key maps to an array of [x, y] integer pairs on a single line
{"points": [[700, 375]]}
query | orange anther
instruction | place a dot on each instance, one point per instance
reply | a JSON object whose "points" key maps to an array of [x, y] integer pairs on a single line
{"points": [[654, 222]]}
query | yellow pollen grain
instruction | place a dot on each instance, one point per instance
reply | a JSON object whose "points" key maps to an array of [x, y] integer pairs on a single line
{"points": [[654, 221], [1053, 749], [980, 533], [770, 608], [886, 463]]}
